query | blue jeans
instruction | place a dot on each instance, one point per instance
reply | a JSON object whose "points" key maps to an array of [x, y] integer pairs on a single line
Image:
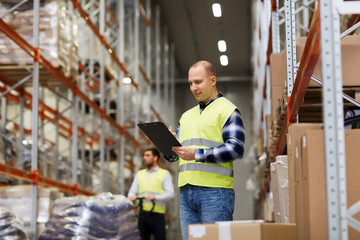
{"points": [[204, 205]]}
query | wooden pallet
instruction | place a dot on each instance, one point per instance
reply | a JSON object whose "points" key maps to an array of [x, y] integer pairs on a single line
{"points": [[310, 111], [16, 73], [311, 108]]}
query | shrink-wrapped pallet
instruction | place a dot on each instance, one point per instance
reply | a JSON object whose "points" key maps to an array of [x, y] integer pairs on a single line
{"points": [[10, 226], [104, 216], [58, 35], [18, 200]]}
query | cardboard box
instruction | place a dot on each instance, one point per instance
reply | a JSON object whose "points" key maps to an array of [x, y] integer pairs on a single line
{"points": [[269, 208], [260, 143], [275, 70], [295, 132], [350, 57], [275, 95], [268, 132], [249, 230], [314, 182]]}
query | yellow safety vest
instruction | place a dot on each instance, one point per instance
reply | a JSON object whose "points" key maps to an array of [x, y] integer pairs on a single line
{"points": [[153, 186], [205, 131]]}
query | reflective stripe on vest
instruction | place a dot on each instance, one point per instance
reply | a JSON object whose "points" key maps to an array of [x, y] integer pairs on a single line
{"points": [[201, 142], [207, 168]]}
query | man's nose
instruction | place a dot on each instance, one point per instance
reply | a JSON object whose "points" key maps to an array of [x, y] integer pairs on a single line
{"points": [[193, 87]]}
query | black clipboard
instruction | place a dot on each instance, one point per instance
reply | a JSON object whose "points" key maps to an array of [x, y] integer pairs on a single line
{"points": [[160, 136]]}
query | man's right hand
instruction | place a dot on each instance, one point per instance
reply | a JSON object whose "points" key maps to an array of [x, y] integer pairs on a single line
{"points": [[132, 198], [186, 153]]}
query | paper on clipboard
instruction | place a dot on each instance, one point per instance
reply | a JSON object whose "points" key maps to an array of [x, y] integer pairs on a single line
{"points": [[160, 136]]}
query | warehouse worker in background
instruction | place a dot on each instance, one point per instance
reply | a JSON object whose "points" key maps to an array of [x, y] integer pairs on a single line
{"points": [[212, 136], [152, 183]]}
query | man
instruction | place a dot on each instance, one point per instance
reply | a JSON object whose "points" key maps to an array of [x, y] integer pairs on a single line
{"points": [[152, 183], [212, 137]]}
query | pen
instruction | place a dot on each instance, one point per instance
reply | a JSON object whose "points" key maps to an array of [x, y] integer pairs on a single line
{"points": [[170, 127]]}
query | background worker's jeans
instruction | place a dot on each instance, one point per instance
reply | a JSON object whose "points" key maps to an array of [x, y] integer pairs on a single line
{"points": [[204, 205]]}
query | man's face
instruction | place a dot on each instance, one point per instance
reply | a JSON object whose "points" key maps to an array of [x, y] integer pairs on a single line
{"points": [[201, 84], [149, 159]]}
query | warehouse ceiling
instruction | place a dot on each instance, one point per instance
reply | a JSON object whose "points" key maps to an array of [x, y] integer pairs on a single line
{"points": [[195, 32]]}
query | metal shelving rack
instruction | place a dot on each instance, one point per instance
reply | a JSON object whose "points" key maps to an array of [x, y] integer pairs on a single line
{"points": [[325, 23], [95, 130]]}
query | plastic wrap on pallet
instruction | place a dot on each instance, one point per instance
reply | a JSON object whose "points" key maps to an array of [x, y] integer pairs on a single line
{"points": [[274, 188], [17, 199], [58, 34], [105, 216], [10, 226], [280, 188], [8, 155]]}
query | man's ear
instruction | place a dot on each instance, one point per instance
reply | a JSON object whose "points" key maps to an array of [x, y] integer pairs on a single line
{"points": [[213, 80]]}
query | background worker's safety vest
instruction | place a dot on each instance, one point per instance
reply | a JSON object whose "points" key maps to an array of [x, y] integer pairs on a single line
{"points": [[153, 186], [205, 131]]}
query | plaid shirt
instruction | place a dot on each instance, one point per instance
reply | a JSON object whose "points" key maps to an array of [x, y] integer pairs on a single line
{"points": [[233, 133]]}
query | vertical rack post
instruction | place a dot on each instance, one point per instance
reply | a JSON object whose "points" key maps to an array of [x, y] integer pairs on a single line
{"points": [[306, 13], [166, 69], [333, 122], [42, 125], [102, 93], [3, 113], [172, 83], [21, 129], [70, 96], [275, 26], [91, 96], [290, 44], [290, 52], [82, 54], [75, 140], [120, 97], [136, 75], [34, 118], [157, 56], [57, 137]]}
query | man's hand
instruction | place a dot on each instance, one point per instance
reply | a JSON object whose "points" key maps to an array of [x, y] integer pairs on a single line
{"points": [[132, 198], [185, 153], [150, 197]]}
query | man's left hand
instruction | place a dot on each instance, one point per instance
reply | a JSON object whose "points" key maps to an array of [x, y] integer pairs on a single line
{"points": [[150, 197], [185, 153]]}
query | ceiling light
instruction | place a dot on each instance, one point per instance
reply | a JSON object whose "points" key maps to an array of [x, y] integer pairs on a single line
{"points": [[222, 46], [224, 60], [216, 7], [126, 80]]}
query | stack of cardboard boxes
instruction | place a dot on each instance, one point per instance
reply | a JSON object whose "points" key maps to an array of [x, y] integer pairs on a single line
{"points": [[306, 177]]}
